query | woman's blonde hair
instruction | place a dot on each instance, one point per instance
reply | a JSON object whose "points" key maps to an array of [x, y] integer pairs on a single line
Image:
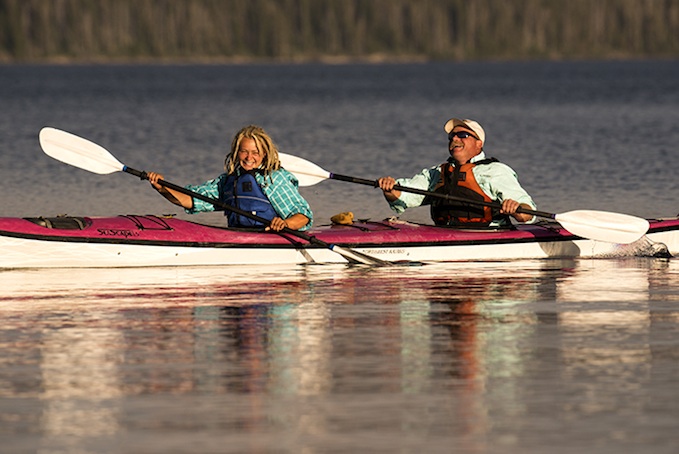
{"points": [[264, 144]]}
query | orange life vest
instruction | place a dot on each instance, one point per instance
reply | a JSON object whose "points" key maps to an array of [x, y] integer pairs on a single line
{"points": [[459, 181]]}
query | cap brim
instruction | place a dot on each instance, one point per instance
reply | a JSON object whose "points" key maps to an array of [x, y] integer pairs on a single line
{"points": [[476, 128]]}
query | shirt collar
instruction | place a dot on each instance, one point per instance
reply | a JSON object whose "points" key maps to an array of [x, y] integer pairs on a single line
{"points": [[479, 157]]}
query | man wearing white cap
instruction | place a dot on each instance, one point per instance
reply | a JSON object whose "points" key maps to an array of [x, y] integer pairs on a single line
{"points": [[467, 175]]}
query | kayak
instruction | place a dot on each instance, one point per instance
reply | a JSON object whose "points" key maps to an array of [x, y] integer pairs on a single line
{"points": [[130, 241], [150, 241]]}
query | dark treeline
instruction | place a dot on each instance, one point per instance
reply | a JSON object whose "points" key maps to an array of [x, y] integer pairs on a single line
{"points": [[40, 30]]}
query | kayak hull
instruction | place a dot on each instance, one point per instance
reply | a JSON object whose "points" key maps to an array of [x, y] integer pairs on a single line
{"points": [[142, 241]]}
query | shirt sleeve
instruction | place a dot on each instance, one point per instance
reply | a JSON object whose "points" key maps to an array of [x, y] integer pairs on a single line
{"points": [[425, 180], [500, 182], [282, 189], [210, 189]]}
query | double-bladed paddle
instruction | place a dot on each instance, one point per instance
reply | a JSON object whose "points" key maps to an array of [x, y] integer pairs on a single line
{"points": [[84, 154], [596, 225]]}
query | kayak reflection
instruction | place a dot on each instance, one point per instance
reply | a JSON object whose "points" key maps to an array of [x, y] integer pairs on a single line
{"points": [[326, 350]]}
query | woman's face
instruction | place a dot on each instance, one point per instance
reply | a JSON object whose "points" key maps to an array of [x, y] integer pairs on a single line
{"points": [[248, 155]]}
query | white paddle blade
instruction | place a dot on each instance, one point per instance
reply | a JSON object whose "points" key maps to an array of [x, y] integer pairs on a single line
{"points": [[78, 152], [307, 173], [603, 225]]}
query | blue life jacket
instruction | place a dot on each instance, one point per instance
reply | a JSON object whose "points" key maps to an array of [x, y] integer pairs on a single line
{"points": [[243, 192]]}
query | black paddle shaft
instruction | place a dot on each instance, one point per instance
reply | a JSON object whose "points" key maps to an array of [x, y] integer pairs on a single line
{"points": [[309, 238], [375, 184]]}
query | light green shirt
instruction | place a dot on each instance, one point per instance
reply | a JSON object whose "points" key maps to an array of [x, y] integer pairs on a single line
{"points": [[497, 180]]}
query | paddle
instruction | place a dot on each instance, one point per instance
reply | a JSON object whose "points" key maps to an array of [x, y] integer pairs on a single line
{"points": [[595, 225], [86, 155]]}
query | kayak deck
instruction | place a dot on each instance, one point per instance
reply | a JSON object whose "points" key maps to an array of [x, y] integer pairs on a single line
{"points": [[148, 240], [173, 231]]}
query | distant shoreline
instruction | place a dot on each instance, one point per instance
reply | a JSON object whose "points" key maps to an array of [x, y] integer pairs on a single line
{"points": [[330, 60], [327, 60], [334, 31]]}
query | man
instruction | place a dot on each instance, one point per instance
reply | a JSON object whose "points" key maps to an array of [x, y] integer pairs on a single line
{"points": [[469, 175]]}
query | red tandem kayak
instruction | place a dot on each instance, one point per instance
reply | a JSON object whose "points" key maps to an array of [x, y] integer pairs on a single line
{"points": [[140, 241]]}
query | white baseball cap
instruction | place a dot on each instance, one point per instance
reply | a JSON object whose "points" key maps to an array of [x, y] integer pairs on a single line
{"points": [[468, 124]]}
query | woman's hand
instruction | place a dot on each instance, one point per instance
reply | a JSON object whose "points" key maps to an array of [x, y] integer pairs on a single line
{"points": [[294, 222], [153, 179], [277, 224], [176, 197]]}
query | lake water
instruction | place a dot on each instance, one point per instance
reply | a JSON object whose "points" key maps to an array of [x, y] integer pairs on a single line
{"points": [[530, 357]]}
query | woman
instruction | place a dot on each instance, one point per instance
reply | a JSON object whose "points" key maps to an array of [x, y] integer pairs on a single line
{"points": [[254, 182]]}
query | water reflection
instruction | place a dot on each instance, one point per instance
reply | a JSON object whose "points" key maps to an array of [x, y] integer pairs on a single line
{"points": [[477, 352], [80, 378]]}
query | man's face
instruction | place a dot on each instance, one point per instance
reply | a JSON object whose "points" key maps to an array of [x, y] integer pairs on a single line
{"points": [[463, 144]]}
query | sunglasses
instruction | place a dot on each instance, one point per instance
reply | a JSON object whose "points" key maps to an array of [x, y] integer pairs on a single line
{"points": [[461, 135]]}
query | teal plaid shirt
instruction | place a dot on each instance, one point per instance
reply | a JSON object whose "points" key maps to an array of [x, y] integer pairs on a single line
{"points": [[280, 187]]}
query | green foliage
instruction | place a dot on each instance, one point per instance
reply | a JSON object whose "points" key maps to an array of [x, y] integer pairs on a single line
{"points": [[35, 30]]}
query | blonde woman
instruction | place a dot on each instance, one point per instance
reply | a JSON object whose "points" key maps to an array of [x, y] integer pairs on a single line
{"points": [[253, 181]]}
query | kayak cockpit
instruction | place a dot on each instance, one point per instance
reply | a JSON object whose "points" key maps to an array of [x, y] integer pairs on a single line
{"points": [[61, 222]]}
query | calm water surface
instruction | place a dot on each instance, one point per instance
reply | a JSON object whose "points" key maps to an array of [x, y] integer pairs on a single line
{"points": [[531, 356], [580, 135], [539, 356]]}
